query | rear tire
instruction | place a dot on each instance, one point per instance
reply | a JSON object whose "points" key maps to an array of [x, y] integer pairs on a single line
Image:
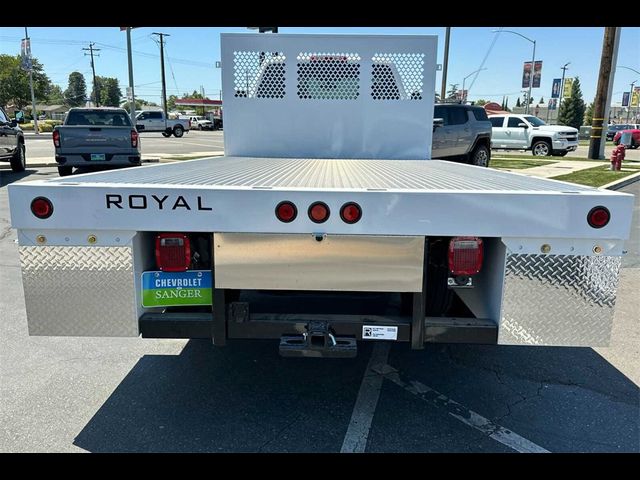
{"points": [[480, 156], [542, 148], [19, 159], [65, 171], [178, 131]]}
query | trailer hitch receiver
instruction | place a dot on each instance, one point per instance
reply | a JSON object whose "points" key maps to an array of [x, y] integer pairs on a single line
{"points": [[318, 341]]}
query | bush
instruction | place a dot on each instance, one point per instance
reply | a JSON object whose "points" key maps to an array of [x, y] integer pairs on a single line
{"points": [[53, 122], [26, 126], [45, 127]]}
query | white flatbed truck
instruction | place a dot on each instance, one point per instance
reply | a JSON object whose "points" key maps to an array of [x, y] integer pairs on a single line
{"points": [[327, 191]]}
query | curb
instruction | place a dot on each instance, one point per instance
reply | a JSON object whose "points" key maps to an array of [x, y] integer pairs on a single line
{"points": [[618, 184], [6, 166]]}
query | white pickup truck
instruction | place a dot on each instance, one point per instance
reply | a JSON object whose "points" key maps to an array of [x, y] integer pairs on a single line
{"points": [[154, 121], [334, 198], [526, 132]]}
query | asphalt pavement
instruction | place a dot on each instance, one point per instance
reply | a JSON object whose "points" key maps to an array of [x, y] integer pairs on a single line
{"points": [[134, 395]]}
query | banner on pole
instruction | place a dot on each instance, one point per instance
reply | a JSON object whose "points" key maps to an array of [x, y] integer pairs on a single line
{"points": [[555, 89], [537, 74], [568, 83]]}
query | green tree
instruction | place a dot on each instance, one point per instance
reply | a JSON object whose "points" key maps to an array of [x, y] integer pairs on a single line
{"points": [[109, 91], [588, 115], [14, 82], [55, 95], [76, 93], [453, 90], [572, 110], [541, 100], [518, 102], [506, 105], [171, 102], [481, 102], [140, 104]]}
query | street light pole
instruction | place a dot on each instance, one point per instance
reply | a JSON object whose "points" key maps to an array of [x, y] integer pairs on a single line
{"points": [[33, 97], [464, 95], [631, 92], [132, 99], [630, 97], [533, 62], [564, 69]]}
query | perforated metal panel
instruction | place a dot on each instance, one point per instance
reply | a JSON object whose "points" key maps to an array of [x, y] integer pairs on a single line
{"points": [[79, 291], [558, 300], [328, 76], [259, 74], [397, 76], [327, 110]]}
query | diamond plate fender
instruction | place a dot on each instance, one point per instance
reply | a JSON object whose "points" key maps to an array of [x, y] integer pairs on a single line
{"points": [[563, 300], [79, 291]]}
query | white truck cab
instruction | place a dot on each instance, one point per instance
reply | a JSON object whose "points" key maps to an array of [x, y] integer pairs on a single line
{"points": [[155, 121], [526, 132]]}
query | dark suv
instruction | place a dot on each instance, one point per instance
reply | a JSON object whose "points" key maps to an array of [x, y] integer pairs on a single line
{"points": [[11, 143], [461, 133]]}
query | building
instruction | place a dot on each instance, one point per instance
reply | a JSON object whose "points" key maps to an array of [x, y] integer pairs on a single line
{"points": [[202, 105]]}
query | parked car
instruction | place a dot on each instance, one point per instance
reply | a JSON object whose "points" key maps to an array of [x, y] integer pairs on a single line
{"points": [[613, 129], [155, 121], [461, 132], [635, 137], [95, 138], [12, 147], [526, 132], [200, 123]]}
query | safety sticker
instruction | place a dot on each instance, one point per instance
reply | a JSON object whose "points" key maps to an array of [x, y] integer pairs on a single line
{"points": [[377, 332]]}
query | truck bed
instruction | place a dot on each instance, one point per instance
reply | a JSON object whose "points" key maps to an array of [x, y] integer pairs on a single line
{"points": [[398, 197]]}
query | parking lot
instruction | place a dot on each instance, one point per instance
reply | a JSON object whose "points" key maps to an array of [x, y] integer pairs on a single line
{"points": [[103, 395]]}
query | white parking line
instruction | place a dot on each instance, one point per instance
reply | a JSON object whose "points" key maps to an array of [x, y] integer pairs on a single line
{"points": [[355, 440], [460, 412]]}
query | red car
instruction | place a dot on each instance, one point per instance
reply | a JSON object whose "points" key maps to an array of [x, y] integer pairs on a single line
{"points": [[635, 137]]}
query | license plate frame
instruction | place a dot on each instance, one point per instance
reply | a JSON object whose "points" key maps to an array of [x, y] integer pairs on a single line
{"points": [[176, 289], [97, 157]]}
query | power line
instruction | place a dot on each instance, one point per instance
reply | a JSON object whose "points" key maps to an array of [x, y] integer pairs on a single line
{"points": [[172, 74], [484, 60]]}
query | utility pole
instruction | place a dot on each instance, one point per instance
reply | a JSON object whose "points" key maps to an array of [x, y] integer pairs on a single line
{"points": [[132, 99], [603, 90], [445, 64], [33, 97], [164, 84], [96, 94]]}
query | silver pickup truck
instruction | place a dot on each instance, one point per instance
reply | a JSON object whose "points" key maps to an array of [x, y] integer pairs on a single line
{"points": [[152, 121], [95, 138]]}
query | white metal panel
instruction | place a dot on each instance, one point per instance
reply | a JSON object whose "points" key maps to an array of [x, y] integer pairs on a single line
{"points": [[281, 124], [544, 214]]}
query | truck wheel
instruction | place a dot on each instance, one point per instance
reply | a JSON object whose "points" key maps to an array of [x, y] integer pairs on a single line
{"points": [[166, 134], [480, 156], [18, 161], [542, 148], [65, 171], [178, 131], [199, 127]]}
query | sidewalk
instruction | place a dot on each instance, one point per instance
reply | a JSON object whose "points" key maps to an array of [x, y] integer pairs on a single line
{"points": [[559, 168]]}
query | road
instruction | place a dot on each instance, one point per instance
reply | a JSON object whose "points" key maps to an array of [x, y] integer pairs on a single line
{"points": [[40, 149], [105, 395]]}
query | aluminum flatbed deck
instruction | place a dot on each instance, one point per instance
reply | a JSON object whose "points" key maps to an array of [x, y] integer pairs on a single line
{"points": [[408, 197]]}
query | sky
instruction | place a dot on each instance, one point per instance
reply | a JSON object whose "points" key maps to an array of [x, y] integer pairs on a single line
{"points": [[193, 51]]}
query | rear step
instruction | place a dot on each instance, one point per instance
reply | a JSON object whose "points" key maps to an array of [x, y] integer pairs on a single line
{"points": [[318, 341]]}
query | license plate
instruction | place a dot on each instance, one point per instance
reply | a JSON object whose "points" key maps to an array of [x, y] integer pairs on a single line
{"points": [[170, 289], [97, 157]]}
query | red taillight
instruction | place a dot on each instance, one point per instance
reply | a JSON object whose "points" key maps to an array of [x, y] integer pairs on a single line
{"points": [[173, 252], [319, 212], [465, 255], [56, 138], [286, 212], [598, 217], [350, 212], [42, 207], [134, 138]]}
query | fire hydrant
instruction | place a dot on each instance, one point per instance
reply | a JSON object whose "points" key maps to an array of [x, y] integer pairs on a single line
{"points": [[617, 156]]}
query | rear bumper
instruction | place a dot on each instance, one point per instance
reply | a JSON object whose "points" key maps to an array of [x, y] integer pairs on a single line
{"points": [[84, 159]]}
